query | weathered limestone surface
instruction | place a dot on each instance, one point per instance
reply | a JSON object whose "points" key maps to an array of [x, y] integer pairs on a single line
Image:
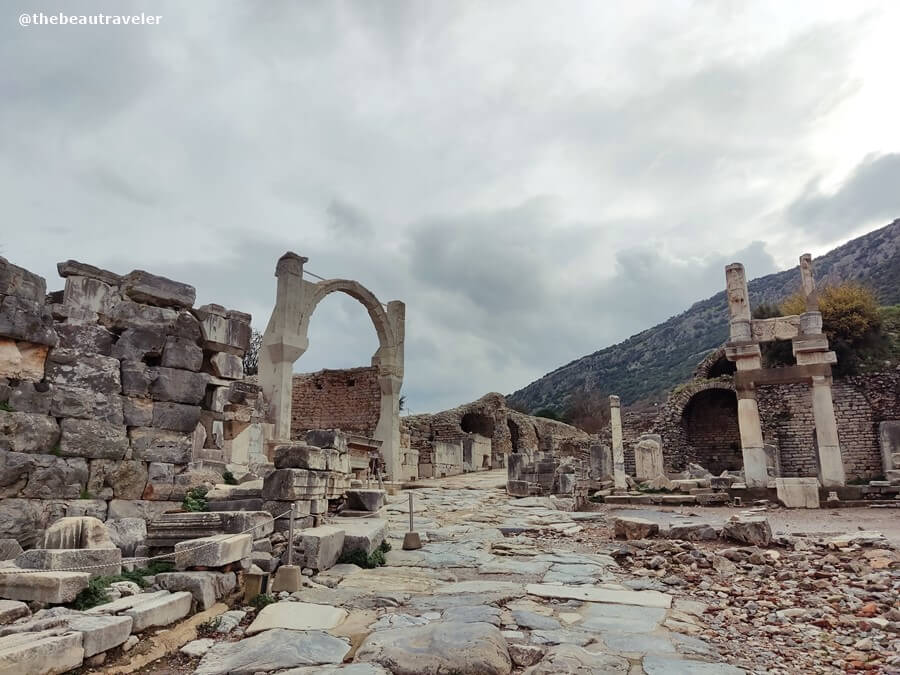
{"points": [[127, 533], [634, 528], [273, 650], [23, 360], [216, 551], [106, 561], [365, 500], [44, 653], [753, 530], [798, 493], [322, 546], [648, 457], [10, 610], [158, 445], [362, 534], [77, 532], [296, 616], [27, 432], [100, 632], [151, 289], [168, 529], [159, 611], [93, 439], [436, 648], [50, 587], [206, 587]]}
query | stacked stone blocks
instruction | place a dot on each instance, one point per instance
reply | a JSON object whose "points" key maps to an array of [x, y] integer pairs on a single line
{"points": [[110, 389]]}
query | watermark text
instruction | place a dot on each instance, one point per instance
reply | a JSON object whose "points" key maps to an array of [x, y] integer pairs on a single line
{"points": [[41, 19]]}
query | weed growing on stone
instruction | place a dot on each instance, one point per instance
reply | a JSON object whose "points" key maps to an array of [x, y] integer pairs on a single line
{"points": [[6, 407], [195, 500], [262, 600]]}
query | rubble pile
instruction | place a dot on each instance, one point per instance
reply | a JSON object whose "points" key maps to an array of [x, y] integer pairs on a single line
{"points": [[818, 604]]}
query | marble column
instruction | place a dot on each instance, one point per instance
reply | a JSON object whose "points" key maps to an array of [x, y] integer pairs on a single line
{"points": [[618, 449], [831, 464], [752, 446]]}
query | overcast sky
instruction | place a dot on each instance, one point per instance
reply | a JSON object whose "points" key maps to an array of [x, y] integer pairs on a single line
{"points": [[536, 180]]}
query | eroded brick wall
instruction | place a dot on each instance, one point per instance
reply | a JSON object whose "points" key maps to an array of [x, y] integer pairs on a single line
{"points": [[348, 399]]}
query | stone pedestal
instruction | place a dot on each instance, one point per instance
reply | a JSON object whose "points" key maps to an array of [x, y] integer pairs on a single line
{"points": [[798, 493], [287, 578]]}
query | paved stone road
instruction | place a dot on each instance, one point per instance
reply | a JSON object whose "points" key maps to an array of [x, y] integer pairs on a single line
{"points": [[475, 601]]}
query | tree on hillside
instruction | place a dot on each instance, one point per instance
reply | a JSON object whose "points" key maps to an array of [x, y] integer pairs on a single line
{"points": [[850, 319], [589, 411]]}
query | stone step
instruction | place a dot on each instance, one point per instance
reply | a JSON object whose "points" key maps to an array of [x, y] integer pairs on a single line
{"points": [[160, 611], [54, 588], [44, 653]]}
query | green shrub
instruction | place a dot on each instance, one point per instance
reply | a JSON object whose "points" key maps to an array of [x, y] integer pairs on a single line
{"points": [[95, 594], [6, 407], [229, 478], [262, 600], [385, 546], [195, 500], [361, 559]]}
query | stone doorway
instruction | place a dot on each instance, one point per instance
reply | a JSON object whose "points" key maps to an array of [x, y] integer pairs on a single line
{"points": [[710, 422]]}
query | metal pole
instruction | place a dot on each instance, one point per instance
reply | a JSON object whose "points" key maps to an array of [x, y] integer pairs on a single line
{"points": [[291, 535], [411, 528]]}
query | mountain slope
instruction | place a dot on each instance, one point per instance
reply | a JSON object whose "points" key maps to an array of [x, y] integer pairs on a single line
{"points": [[650, 363]]}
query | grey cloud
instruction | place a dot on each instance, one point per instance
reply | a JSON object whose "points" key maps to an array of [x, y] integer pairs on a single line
{"points": [[870, 194], [533, 185]]}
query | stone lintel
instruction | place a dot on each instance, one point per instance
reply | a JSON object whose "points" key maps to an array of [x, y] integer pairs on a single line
{"points": [[747, 380]]}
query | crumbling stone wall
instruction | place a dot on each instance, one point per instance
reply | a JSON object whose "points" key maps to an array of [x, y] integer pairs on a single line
{"points": [[347, 399], [109, 389]]}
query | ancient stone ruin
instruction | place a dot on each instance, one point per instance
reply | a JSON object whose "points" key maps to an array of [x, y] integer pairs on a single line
{"points": [[160, 510]]}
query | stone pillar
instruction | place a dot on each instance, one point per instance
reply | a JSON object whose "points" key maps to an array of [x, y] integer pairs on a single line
{"points": [[752, 446], [810, 295], [388, 429], [283, 344], [618, 450], [738, 303], [831, 464]]}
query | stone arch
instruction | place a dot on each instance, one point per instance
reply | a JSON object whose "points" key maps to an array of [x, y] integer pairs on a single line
{"points": [[714, 365], [286, 340], [377, 312]]}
